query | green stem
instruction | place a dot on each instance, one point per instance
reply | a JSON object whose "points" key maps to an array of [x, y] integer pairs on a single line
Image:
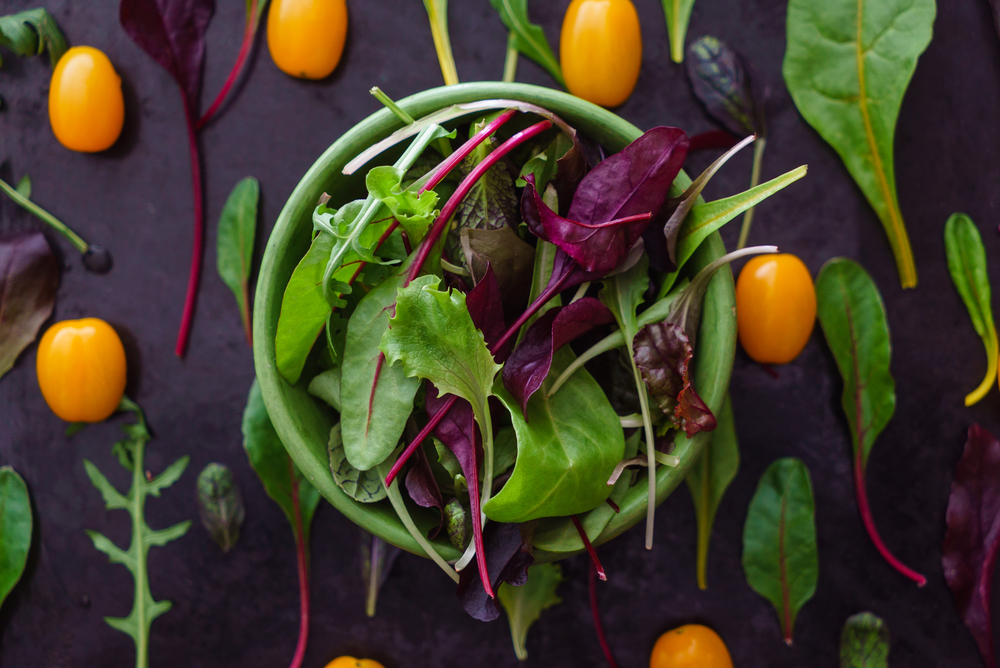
{"points": [[758, 156], [391, 105], [45, 216], [141, 578], [442, 43], [704, 525], [510, 65], [650, 451]]}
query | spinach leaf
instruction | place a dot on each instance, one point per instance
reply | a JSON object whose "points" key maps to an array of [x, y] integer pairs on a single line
{"points": [[968, 555], [437, 12], [864, 642], [527, 37], [15, 527], [524, 604], [780, 559], [220, 505], [708, 480], [363, 486], [131, 452], [234, 246], [377, 558], [29, 278], [30, 33], [678, 15], [854, 322], [847, 66], [967, 265]]}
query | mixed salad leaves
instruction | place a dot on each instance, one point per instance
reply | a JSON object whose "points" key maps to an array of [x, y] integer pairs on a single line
{"points": [[436, 316]]}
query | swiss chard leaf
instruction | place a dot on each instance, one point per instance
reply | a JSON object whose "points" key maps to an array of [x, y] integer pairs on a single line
{"points": [[508, 556], [30, 33], [524, 604], [853, 319], [29, 278], [967, 265], [237, 228], [847, 66], [527, 37], [220, 505], [15, 527], [780, 558], [678, 16], [720, 81], [864, 642], [973, 537], [363, 486]]}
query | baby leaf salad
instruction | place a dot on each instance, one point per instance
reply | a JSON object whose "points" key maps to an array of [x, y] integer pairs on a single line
{"points": [[436, 316]]}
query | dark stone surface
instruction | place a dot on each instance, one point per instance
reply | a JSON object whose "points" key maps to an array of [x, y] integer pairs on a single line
{"points": [[241, 609]]}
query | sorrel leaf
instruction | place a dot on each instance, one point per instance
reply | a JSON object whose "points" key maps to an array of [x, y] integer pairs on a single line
{"points": [[29, 278], [131, 453], [524, 604], [854, 322], [363, 486], [847, 66], [708, 480], [720, 81], [973, 536], [377, 558], [864, 642], [678, 15], [967, 265], [234, 246], [15, 527], [326, 386], [30, 33], [527, 37], [508, 556], [220, 505], [780, 559]]}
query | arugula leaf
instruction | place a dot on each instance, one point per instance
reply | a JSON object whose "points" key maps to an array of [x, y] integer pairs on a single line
{"points": [[234, 246], [847, 66], [524, 604], [29, 278], [864, 642], [30, 33], [780, 558], [131, 452], [527, 37], [15, 527], [414, 211], [220, 505], [363, 486], [678, 14]]}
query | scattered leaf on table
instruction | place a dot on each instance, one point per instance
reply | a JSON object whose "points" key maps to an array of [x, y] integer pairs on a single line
{"points": [[363, 486], [220, 505], [780, 559], [15, 528], [864, 642], [29, 277], [377, 558], [237, 228], [24, 187], [524, 604], [528, 37], [847, 66], [720, 81], [31, 32], [969, 552], [678, 16]]}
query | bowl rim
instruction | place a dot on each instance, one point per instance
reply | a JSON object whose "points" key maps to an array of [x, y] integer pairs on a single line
{"points": [[718, 316]]}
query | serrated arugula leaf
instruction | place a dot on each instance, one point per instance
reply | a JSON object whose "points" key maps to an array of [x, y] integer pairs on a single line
{"points": [[524, 604]]}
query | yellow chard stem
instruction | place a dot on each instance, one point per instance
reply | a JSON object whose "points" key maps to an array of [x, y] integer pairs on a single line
{"points": [[437, 11]]}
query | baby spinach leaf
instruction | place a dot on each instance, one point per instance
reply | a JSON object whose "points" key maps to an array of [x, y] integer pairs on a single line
{"points": [[967, 265], [15, 527], [363, 486], [30, 33], [678, 15], [973, 536], [719, 79], [847, 66], [527, 37], [131, 452], [377, 558], [237, 228], [853, 319], [29, 278], [524, 604], [864, 642], [220, 505], [509, 555], [708, 479], [780, 559], [326, 386]]}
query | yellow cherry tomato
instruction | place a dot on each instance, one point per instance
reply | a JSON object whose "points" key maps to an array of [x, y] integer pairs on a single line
{"points": [[690, 646], [306, 37], [86, 106], [775, 307], [351, 662], [81, 369], [600, 50]]}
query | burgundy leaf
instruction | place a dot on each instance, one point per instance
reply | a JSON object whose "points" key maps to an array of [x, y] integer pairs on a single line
{"points": [[508, 558], [529, 364], [970, 544], [570, 170], [423, 488], [29, 277], [663, 355], [712, 139], [486, 309], [512, 260]]}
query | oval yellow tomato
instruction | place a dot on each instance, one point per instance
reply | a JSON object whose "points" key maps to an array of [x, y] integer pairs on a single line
{"points": [[600, 50], [775, 307], [81, 369], [306, 37], [351, 662], [690, 646], [86, 106]]}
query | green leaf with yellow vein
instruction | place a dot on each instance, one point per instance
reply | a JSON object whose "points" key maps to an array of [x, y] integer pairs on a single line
{"points": [[847, 66]]}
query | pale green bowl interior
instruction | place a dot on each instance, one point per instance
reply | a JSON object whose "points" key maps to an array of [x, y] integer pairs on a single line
{"points": [[304, 422]]}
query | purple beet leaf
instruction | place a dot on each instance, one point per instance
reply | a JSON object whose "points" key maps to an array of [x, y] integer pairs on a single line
{"points": [[528, 366], [508, 558], [423, 488], [970, 544]]}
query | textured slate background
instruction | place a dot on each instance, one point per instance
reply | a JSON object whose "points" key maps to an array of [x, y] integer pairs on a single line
{"points": [[241, 609]]}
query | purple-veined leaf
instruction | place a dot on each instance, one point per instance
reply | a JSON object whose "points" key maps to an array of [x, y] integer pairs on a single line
{"points": [[508, 556], [720, 80], [512, 260], [29, 278]]}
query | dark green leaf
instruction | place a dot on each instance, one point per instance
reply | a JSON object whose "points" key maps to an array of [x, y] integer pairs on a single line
{"points": [[678, 15], [780, 559], [492, 202], [721, 82], [524, 604], [15, 529], [847, 66], [363, 486], [220, 505], [529, 38], [237, 227], [31, 32], [29, 277], [864, 643]]}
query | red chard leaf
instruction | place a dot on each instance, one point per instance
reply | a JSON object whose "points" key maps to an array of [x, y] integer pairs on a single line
{"points": [[486, 309], [29, 278], [970, 544], [423, 488], [508, 558]]}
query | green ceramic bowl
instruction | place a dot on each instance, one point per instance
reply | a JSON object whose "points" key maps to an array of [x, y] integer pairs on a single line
{"points": [[303, 422]]}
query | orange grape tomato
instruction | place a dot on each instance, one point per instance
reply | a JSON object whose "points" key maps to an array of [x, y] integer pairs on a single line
{"points": [[690, 646], [600, 50], [775, 307], [81, 369], [306, 37], [86, 106], [351, 662]]}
